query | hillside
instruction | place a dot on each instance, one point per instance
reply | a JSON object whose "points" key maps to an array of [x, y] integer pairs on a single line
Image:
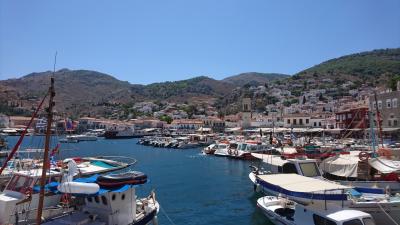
{"points": [[373, 67], [254, 78], [84, 92], [91, 92]]}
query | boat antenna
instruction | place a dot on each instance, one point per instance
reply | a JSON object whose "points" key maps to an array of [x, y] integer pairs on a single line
{"points": [[47, 145]]}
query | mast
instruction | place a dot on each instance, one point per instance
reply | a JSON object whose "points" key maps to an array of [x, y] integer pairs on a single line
{"points": [[46, 163], [378, 118]]}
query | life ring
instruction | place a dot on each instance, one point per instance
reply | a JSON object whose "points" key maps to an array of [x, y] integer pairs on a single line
{"points": [[230, 151], [28, 192], [363, 156], [236, 152]]}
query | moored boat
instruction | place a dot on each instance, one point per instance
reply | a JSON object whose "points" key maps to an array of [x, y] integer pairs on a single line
{"points": [[285, 212]]}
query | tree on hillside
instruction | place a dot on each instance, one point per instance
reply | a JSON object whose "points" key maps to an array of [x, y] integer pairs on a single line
{"points": [[166, 118]]}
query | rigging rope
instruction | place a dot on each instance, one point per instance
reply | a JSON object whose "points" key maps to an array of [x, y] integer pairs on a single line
{"points": [[166, 215], [391, 218]]}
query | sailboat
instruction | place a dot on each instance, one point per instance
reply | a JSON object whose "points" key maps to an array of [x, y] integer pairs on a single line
{"points": [[29, 195]]}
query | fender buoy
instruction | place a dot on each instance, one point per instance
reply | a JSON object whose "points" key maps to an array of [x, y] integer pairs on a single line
{"points": [[363, 156], [230, 151], [386, 152], [236, 152]]}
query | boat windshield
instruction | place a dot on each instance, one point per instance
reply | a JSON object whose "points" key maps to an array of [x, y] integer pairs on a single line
{"points": [[368, 221], [222, 146], [19, 183], [243, 147], [353, 222], [309, 169]]}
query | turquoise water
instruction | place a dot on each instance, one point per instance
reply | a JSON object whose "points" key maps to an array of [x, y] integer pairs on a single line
{"points": [[192, 188]]}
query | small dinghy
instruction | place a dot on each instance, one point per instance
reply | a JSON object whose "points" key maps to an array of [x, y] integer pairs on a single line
{"points": [[117, 180]]}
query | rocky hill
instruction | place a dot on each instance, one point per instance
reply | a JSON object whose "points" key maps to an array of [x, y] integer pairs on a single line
{"points": [[90, 92], [373, 67], [254, 78], [84, 91]]}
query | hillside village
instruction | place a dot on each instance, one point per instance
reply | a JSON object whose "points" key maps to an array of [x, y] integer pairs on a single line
{"points": [[312, 109], [335, 95]]}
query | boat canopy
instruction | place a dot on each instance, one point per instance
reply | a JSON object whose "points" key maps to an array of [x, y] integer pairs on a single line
{"points": [[298, 183], [341, 165]]}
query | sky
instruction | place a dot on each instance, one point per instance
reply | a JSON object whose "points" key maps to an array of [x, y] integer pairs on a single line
{"points": [[146, 41]]}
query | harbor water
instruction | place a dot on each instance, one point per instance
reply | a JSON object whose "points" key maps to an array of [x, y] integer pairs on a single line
{"points": [[192, 188]]}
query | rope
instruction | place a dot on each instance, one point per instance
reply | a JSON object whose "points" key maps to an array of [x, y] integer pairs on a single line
{"points": [[22, 135], [166, 215], [394, 222]]}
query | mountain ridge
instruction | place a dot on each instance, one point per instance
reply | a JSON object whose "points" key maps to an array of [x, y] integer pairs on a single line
{"points": [[102, 91]]}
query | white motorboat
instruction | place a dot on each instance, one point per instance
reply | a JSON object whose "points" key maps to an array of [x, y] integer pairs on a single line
{"points": [[285, 212], [307, 190], [108, 200], [79, 137], [244, 150], [222, 148]]}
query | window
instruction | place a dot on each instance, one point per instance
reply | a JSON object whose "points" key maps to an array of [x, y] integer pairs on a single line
{"points": [[394, 103], [307, 121], [395, 123], [380, 104], [315, 124], [368, 221], [353, 222], [294, 121], [288, 121], [388, 103], [319, 220], [89, 199], [389, 123], [104, 200], [309, 169], [96, 199], [301, 121], [349, 116], [319, 124], [123, 197], [289, 168], [113, 197]]}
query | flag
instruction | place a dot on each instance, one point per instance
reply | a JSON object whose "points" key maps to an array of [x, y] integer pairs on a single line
{"points": [[69, 125], [55, 150]]}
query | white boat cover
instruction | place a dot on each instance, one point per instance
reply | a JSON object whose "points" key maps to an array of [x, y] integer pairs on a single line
{"points": [[341, 165], [297, 183], [385, 165], [275, 160], [347, 165]]}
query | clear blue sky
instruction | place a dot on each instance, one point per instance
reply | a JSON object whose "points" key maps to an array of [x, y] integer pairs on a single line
{"points": [[146, 41]]}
